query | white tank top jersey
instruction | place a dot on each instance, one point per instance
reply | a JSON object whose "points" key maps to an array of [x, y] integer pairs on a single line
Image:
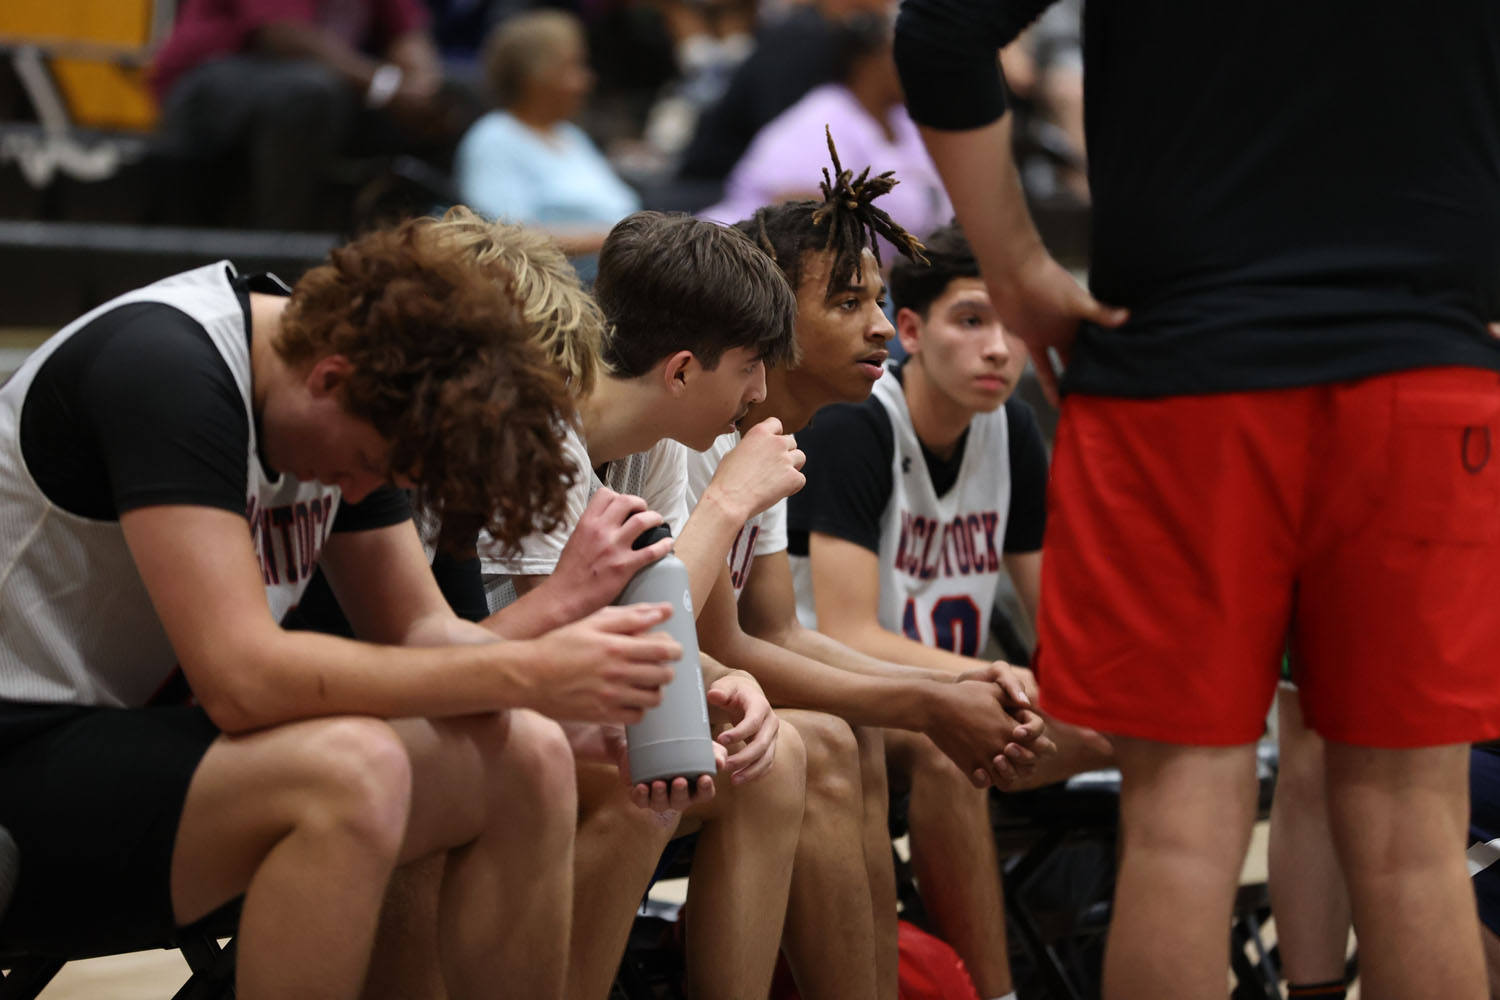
{"points": [[940, 556], [76, 623], [762, 535], [657, 476]]}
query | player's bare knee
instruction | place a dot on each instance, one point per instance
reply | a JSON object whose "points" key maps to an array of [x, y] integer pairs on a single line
{"points": [[786, 783], [832, 755], [360, 781], [536, 766]]}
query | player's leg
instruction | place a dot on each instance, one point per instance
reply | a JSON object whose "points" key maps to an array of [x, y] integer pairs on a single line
{"points": [[878, 857], [1308, 898], [404, 961], [497, 793], [306, 820], [616, 853], [827, 939], [742, 872], [953, 856], [1185, 820]]}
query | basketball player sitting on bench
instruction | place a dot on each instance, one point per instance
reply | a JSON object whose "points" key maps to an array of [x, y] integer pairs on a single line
{"points": [[824, 247], [173, 466], [715, 312], [917, 498]]}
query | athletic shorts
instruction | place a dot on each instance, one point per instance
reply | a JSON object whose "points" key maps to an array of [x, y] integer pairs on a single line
{"points": [[1191, 540], [93, 797], [1484, 833]]}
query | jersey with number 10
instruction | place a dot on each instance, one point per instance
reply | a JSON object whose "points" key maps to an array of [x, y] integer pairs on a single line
{"points": [[940, 556]]}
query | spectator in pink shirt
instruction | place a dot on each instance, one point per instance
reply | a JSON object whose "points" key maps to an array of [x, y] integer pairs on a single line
{"points": [[865, 112]]}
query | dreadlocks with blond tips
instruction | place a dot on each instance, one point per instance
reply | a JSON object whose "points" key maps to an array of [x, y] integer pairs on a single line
{"points": [[845, 222]]}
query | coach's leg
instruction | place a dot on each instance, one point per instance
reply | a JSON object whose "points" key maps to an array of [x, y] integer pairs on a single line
{"points": [[1185, 820], [1308, 898], [742, 871], [618, 847], [878, 858], [1399, 820], [827, 939], [306, 820], [954, 859]]}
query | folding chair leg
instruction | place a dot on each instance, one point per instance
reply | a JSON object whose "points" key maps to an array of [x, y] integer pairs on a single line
{"points": [[28, 977], [213, 969]]}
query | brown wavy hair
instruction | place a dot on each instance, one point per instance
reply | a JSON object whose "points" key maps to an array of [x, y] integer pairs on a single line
{"points": [[445, 369]]}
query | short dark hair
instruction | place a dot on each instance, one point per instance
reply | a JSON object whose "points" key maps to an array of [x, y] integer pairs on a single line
{"points": [[670, 282], [846, 222], [916, 286]]}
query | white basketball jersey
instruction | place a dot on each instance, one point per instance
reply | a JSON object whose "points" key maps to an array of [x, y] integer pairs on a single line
{"points": [[762, 535], [940, 557], [76, 623]]}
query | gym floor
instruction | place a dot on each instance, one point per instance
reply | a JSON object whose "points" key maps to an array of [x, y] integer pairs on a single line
{"points": [[156, 975]]}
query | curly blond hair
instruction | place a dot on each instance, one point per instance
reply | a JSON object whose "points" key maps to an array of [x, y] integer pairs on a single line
{"points": [[565, 321]]}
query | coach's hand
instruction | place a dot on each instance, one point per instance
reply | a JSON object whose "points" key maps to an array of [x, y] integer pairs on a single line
{"points": [[1040, 302], [766, 466], [993, 746], [605, 668], [598, 560]]}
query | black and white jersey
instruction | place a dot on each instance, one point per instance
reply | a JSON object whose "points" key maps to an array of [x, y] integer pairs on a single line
{"points": [[657, 475], [938, 527], [145, 401]]}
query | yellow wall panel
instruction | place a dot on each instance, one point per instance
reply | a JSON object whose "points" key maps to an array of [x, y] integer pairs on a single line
{"points": [[103, 95]]}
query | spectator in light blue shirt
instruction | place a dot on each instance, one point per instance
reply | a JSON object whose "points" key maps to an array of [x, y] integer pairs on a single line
{"points": [[527, 162]]}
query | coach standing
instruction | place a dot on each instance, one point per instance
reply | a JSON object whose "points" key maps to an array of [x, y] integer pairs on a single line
{"points": [[1289, 438]]}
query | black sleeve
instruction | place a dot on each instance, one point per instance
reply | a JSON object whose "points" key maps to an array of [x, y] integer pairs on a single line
{"points": [[137, 409], [1028, 480], [947, 52], [462, 585], [849, 449], [384, 507]]}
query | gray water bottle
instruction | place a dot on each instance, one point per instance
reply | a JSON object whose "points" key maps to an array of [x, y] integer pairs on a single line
{"points": [[673, 739]]}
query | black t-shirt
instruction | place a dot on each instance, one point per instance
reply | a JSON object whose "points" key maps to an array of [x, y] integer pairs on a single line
{"points": [[140, 409], [1284, 193], [850, 448]]}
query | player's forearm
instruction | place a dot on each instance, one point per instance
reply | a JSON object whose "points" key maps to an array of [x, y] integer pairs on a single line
{"points": [[794, 681], [298, 675], [818, 646], [883, 644], [703, 546], [538, 610]]}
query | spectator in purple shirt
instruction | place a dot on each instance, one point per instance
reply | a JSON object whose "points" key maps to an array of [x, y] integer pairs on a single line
{"points": [[864, 111]]}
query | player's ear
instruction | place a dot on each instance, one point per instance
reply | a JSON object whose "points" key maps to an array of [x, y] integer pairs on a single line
{"points": [[677, 369], [909, 329], [328, 374]]}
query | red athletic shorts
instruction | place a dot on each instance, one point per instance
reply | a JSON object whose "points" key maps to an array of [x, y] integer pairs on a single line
{"points": [[1191, 539]]}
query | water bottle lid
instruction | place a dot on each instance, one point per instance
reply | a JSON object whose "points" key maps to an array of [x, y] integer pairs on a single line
{"points": [[652, 535]]}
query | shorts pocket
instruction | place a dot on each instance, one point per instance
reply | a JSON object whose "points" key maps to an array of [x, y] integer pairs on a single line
{"points": [[1445, 458]]}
